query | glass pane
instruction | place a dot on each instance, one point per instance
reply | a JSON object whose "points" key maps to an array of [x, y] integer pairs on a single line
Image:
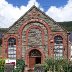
{"points": [[14, 52], [58, 48], [58, 39], [35, 53], [14, 56], [12, 48]]}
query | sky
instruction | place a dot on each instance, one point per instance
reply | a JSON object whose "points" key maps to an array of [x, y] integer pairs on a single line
{"points": [[12, 10]]}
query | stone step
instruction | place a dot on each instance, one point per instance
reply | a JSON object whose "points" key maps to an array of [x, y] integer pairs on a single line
{"points": [[28, 70]]}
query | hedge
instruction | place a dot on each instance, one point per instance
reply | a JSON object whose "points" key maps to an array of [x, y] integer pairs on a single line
{"points": [[20, 64], [2, 62]]}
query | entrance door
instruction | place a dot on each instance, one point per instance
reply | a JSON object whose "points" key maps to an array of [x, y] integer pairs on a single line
{"points": [[31, 62], [38, 60], [34, 58]]}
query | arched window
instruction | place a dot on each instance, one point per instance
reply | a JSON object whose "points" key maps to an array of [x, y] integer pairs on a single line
{"points": [[58, 47], [11, 48], [35, 53]]}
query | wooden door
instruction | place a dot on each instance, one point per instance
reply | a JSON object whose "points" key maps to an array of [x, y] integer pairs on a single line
{"points": [[31, 62]]}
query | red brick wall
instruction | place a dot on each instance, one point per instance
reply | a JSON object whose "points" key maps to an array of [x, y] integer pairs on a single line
{"points": [[18, 37]]}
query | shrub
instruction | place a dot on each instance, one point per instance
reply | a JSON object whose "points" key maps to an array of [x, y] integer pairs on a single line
{"points": [[2, 62], [48, 65], [62, 65], [39, 68], [20, 64]]}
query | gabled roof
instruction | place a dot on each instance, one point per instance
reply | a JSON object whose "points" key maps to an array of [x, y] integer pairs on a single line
{"points": [[53, 24]]}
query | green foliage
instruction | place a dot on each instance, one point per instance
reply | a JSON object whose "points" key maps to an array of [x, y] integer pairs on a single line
{"points": [[62, 65], [3, 30], [39, 67], [20, 64], [66, 25], [2, 62], [48, 64], [0, 49]]}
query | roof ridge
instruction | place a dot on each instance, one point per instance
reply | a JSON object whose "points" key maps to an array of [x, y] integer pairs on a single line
{"points": [[39, 11]]}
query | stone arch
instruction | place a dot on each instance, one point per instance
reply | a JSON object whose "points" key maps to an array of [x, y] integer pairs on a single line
{"points": [[35, 27], [64, 37], [30, 21], [59, 37], [27, 55], [34, 52], [34, 20]]}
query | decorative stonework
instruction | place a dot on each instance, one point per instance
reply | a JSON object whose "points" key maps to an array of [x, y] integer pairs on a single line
{"points": [[34, 30], [34, 38], [35, 13], [35, 35]]}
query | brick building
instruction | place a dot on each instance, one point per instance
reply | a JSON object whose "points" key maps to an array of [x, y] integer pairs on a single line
{"points": [[34, 37]]}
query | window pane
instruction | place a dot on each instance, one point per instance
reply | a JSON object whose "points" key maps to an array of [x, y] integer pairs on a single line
{"points": [[12, 48], [35, 53], [58, 47]]}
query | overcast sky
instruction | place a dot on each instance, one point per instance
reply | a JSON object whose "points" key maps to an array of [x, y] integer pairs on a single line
{"points": [[11, 10]]}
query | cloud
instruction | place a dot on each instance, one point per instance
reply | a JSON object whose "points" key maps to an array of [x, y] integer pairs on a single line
{"points": [[9, 13], [62, 13]]}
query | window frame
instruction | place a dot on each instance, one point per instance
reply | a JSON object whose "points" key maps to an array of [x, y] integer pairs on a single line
{"points": [[12, 48], [58, 47]]}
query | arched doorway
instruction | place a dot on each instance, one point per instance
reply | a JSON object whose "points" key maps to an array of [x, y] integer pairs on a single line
{"points": [[34, 58]]}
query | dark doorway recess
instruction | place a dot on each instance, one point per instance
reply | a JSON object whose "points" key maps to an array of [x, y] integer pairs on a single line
{"points": [[38, 60]]}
